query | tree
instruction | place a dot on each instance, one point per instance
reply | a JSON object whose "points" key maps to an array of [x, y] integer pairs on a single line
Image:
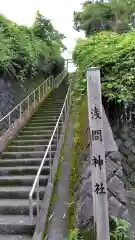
{"points": [[94, 17], [115, 15], [44, 29], [27, 53]]}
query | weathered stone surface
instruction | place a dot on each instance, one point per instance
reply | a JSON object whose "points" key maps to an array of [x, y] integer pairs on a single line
{"points": [[116, 186], [125, 215], [86, 187], [12, 92], [131, 159], [116, 157], [124, 150], [120, 172], [126, 168], [84, 213], [118, 142], [115, 207], [128, 143], [132, 134], [132, 178], [133, 149], [116, 192], [123, 136], [130, 195], [111, 167]]}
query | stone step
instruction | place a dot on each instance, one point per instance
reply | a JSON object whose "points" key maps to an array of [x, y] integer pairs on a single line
{"points": [[35, 136], [52, 101], [23, 170], [32, 141], [37, 119], [43, 128], [24, 154], [45, 116], [19, 164], [14, 237], [51, 105], [15, 207], [32, 154], [26, 180], [37, 131], [48, 105], [13, 148], [17, 224], [47, 113], [48, 110], [53, 123], [23, 162], [19, 192]]}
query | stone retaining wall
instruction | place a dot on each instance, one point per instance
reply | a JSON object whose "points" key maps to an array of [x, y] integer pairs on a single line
{"points": [[120, 176], [13, 92]]}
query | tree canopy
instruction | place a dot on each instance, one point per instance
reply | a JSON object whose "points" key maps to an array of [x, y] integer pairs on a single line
{"points": [[115, 15], [27, 52]]}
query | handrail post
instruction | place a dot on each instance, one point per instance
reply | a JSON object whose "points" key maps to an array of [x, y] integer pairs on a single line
{"points": [[50, 162], [65, 108], [20, 111], [9, 121], [30, 208], [39, 93], [28, 104], [43, 90], [57, 134], [48, 84], [46, 87], [52, 82], [37, 203], [34, 99]]}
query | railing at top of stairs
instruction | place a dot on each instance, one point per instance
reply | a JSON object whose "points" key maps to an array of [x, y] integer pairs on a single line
{"points": [[30, 102]]}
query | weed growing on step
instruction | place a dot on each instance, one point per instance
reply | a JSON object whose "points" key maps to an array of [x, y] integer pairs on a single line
{"points": [[75, 235]]}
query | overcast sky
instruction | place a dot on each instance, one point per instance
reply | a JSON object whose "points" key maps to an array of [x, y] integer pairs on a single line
{"points": [[59, 11]]}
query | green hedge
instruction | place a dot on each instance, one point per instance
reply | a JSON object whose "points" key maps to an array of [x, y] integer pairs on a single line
{"points": [[115, 55]]}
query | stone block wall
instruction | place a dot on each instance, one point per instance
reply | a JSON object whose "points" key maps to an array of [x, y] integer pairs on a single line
{"points": [[120, 174], [13, 92]]}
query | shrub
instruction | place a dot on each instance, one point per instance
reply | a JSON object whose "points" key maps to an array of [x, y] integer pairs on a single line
{"points": [[115, 55]]}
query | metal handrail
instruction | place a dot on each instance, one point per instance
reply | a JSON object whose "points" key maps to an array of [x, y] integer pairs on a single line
{"points": [[30, 102], [48, 151]]}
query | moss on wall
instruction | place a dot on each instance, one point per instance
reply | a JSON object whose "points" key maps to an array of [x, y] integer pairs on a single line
{"points": [[80, 123]]}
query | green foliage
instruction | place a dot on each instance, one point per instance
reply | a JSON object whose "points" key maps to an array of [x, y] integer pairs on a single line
{"points": [[119, 229], [29, 52], [115, 55], [97, 16], [74, 235], [94, 17]]}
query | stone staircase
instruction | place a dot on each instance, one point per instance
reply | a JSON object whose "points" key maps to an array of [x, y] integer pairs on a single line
{"points": [[19, 164]]}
